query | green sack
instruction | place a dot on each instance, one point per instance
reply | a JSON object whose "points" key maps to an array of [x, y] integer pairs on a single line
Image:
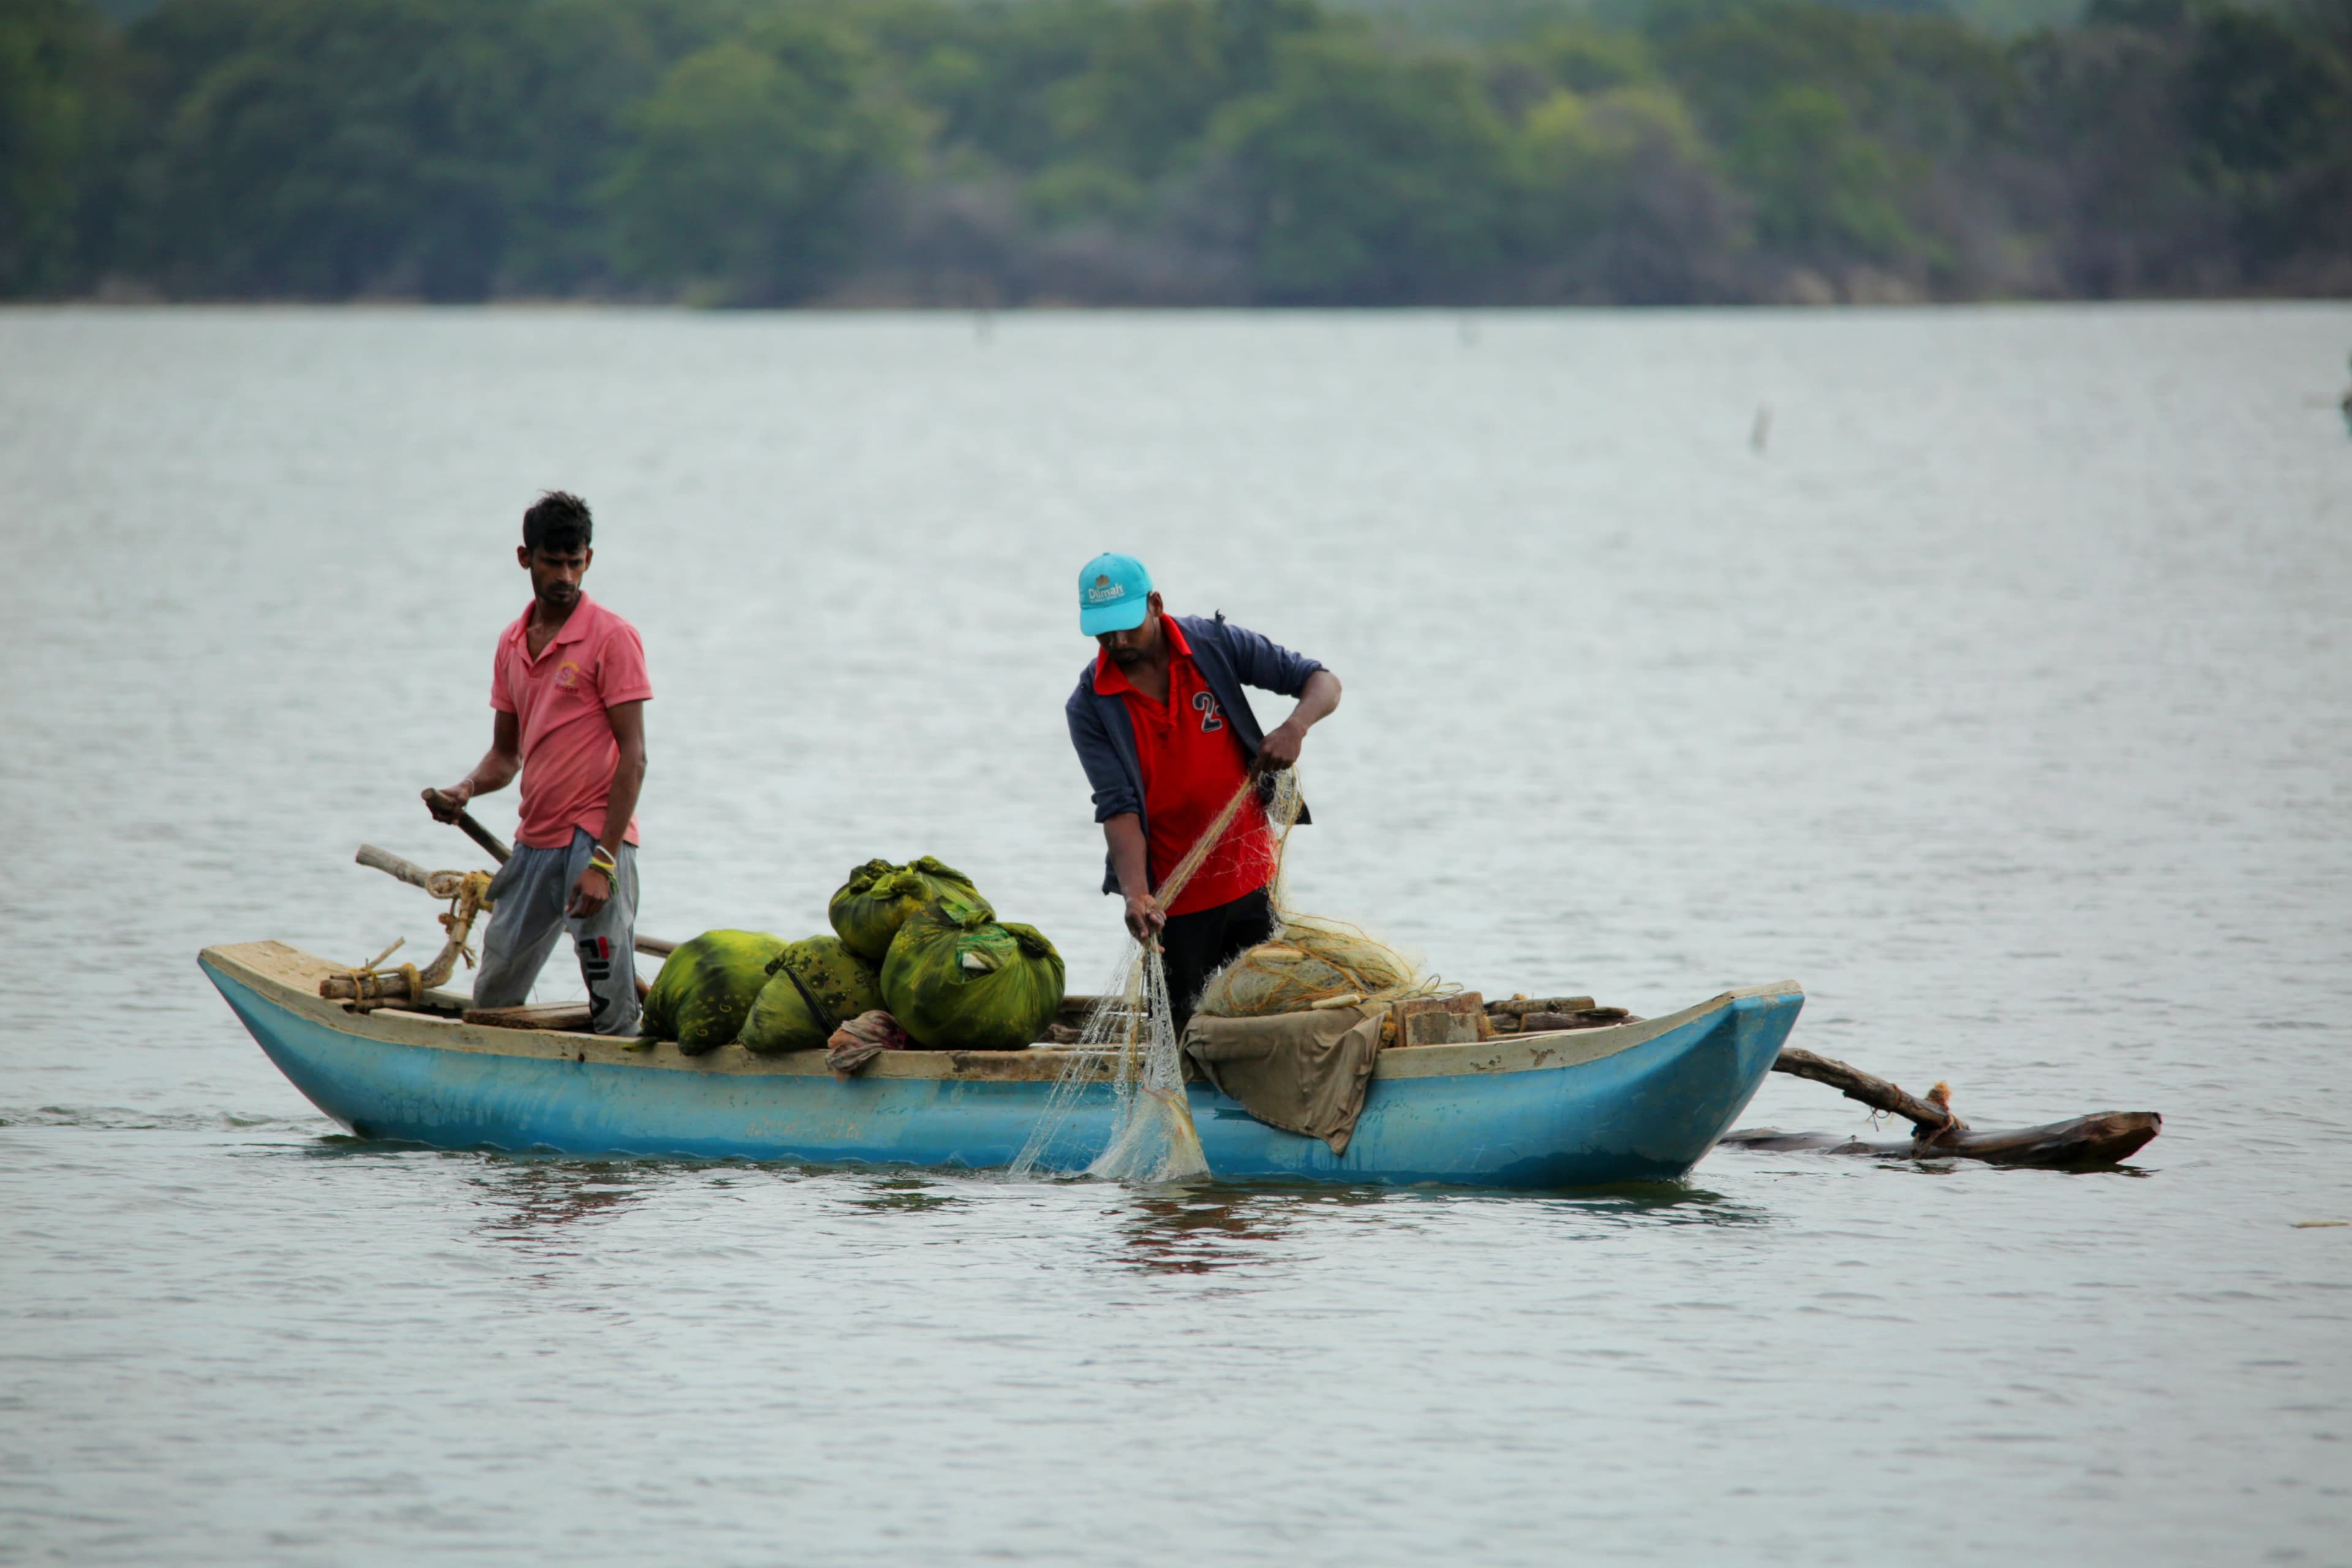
{"points": [[879, 897], [957, 980], [706, 986], [844, 984]]}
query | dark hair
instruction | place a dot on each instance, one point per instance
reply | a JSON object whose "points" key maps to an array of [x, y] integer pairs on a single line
{"points": [[558, 519]]}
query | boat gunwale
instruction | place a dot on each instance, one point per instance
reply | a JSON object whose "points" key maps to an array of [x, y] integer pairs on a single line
{"points": [[288, 976]]}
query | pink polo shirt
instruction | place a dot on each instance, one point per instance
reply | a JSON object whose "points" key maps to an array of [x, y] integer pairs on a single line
{"points": [[595, 660]]}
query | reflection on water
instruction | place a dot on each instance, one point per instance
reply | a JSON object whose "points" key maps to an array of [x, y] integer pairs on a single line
{"points": [[898, 1194], [354, 1145], [1643, 1203], [1203, 1230], [122, 1118], [532, 1201], [1930, 1165], [1224, 1226]]}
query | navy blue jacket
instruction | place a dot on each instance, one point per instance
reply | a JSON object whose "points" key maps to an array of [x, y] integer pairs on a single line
{"points": [[1229, 657]]}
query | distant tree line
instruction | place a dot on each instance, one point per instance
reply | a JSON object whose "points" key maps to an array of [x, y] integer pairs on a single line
{"points": [[1007, 151]]}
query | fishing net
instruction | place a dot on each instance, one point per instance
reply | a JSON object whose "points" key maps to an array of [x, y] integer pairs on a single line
{"points": [[1127, 1051], [1311, 959]]}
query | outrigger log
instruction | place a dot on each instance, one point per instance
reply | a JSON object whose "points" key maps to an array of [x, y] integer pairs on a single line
{"points": [[2082, 1142]]}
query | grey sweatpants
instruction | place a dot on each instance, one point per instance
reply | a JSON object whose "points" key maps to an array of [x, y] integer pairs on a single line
{"points": [[529, 895]]}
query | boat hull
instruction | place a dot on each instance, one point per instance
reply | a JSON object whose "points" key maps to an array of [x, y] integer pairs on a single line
{"points": [[1584, 1111]]}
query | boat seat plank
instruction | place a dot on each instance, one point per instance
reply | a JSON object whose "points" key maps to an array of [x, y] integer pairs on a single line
{"points": [[570, 1017]]}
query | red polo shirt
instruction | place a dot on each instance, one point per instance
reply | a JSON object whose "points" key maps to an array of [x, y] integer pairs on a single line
{"points": [[594, 661], [1191, 762]]}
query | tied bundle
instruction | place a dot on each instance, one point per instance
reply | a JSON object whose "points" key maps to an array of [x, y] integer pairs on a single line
{"points": [[1310, 962]]}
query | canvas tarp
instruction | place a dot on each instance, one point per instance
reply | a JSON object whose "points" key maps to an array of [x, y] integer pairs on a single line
{"points": [[1303, 1072]]}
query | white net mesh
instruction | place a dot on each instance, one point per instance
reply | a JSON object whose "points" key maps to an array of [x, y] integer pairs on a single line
{"points": [[1125, 1074], [1310, 962], [1127, 1061], [1126, 1056]]}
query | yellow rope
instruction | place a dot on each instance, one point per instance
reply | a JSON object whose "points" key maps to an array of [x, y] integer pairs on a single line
{"points": [[466, 900], [468, 895], [1311, 960], [1209, 838]]}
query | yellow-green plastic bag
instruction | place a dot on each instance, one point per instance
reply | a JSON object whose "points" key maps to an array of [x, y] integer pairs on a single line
{"points": [[879, 897], [957, 980], [843, 984], [706, 988]]}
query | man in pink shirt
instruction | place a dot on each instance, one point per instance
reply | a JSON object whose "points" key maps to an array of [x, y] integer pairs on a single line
{"points": [[569, 686]]}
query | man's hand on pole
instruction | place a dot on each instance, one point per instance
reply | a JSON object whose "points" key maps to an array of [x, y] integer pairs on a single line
{"points": [[1144, 918], [446, 804]]}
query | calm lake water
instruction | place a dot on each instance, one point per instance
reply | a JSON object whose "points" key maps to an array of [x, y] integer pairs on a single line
{"points": [[2003, 698]]}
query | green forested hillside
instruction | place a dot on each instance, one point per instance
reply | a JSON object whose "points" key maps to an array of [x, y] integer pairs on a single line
{"points": [[1170, 150], [1487, 21]]}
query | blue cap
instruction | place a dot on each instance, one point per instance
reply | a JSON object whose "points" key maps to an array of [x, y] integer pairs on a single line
{"points": [[1111, 593]]}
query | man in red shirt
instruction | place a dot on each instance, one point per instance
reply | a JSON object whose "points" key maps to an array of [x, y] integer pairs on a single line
{"points": [[569, 688], [1167, 738]]}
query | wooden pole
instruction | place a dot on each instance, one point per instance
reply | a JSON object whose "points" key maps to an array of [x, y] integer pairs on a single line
{"points": [[483, 836], [416, 875], [490, 842], [392, 865], [1926, 1120]]}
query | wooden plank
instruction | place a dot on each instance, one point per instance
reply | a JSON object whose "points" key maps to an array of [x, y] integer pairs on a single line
{"points": [[1439, 1020], [1520, 1007], [570, 1016], [1580, 1018]]}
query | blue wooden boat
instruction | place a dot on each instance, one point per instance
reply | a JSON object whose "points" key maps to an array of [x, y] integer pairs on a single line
{"points": [[1638, 1102]]}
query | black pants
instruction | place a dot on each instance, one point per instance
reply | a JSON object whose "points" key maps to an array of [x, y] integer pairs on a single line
{"points": [[1197, 945]]}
